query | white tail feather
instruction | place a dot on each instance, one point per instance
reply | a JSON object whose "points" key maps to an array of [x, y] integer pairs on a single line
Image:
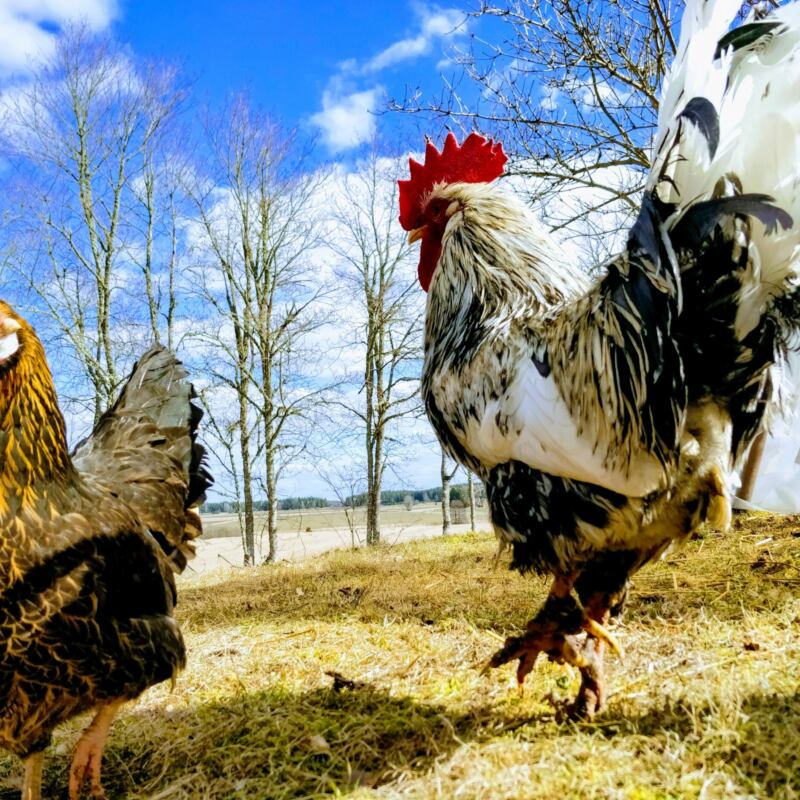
{"points": [[756, 92]]}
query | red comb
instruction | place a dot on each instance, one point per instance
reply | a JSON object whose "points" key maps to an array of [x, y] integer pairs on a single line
{"points": [[477, 160]]}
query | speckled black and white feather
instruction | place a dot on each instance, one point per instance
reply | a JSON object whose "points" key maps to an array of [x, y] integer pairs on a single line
{"points": [[609, 415]]}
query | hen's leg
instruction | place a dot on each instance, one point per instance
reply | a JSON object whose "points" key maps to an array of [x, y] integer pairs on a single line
{"points": [[552, 631], [32, 785], [88, 756]]}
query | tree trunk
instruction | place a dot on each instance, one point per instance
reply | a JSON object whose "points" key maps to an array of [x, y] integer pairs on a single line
{"points": [[446, 478], [249, 522], [272, 513], [471, 493], [374, 499], [247, 484]]}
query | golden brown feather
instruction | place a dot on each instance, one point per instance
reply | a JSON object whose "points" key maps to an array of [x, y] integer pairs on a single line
{"points": [[86, 609]]}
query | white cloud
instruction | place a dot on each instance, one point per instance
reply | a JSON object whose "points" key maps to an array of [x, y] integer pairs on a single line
{"points": [[550, 98], [347, 120], [434, 25], [27, 27]]}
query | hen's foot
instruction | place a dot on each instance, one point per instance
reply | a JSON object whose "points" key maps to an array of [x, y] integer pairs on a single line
{"points": [[87, 761]]}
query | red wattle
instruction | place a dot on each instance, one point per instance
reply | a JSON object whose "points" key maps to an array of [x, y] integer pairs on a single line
{"points": [[429, 252]]}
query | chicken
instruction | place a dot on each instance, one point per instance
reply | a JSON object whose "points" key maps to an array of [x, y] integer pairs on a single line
{"points": [[89, 543], [607, 416]]}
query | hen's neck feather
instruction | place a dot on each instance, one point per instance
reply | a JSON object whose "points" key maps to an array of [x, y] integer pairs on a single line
{"points": [[33, 443]]}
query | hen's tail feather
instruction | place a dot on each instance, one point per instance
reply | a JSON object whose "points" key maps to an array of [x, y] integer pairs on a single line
{"points": [[147, 443]]}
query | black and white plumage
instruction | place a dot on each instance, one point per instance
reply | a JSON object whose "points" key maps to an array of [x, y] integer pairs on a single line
{"points": [[607, 417]]}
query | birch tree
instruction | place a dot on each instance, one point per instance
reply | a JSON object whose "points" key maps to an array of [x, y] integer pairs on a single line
{"points": [[385, 300], [254, 204], [447, 475], [79, 136]]}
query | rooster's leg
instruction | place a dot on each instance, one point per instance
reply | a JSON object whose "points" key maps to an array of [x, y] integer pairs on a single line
{"points": [[591, 695], [602, 589], [32, 785], [89, 754], [552, 631]]}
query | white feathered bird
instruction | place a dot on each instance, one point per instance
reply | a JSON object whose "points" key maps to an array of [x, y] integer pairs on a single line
{"points": [[607, 417]]}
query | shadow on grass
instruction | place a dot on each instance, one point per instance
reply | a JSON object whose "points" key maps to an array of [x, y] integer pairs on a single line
{"points": [[274, 744], [759, 746], [320, 743]]}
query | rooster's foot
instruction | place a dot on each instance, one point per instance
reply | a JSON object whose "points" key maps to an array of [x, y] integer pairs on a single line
{"points": [[592, 694], [554, 631]]}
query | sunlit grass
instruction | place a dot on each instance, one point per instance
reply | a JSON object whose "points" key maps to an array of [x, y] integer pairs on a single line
{"points": [[706, 704]]}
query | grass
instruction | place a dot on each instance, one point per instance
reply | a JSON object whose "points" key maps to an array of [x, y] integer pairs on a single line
{"points": [[706, 703]]}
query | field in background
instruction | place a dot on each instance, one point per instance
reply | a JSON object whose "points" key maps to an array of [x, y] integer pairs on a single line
{"points": [[221, 544], [705, 705], [223, 525]]}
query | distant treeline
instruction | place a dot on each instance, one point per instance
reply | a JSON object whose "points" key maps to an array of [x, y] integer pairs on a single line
{"points": [[391, 497], [286, 504], [458, 492]]}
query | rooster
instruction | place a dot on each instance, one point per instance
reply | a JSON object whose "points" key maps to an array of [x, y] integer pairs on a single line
{"points": [[89, 542], [607, 416]]}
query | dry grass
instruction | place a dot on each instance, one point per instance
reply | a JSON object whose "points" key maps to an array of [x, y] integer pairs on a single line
{"points": [[706, 704]]}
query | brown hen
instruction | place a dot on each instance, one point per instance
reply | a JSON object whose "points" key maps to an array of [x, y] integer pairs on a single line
{"points": [[89, 543]]}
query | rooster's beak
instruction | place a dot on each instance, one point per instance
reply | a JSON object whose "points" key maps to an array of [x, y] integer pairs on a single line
{"points": [[416, 234]]}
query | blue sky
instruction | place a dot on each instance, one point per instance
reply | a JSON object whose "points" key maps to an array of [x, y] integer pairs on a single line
{"points": [[325, 67], [319, 65]]}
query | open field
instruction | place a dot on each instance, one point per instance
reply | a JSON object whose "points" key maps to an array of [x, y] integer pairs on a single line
{"points": [[221, 544], [705, 705], [221, 525]]}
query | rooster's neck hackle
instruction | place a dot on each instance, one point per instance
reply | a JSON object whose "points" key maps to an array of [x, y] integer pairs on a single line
{"points": [[496, 265], [33, 445]]}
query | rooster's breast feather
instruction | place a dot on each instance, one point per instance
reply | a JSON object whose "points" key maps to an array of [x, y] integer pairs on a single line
{"points": [[530, 422]]}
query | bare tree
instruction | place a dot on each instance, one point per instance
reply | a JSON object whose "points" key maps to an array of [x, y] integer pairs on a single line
{"points": [[571, 87], [222, 428], [227, 338], [254, 204], [80, 135], [161, 204], [384, 301], [471, 500], [346, 480], [447, 478]]}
